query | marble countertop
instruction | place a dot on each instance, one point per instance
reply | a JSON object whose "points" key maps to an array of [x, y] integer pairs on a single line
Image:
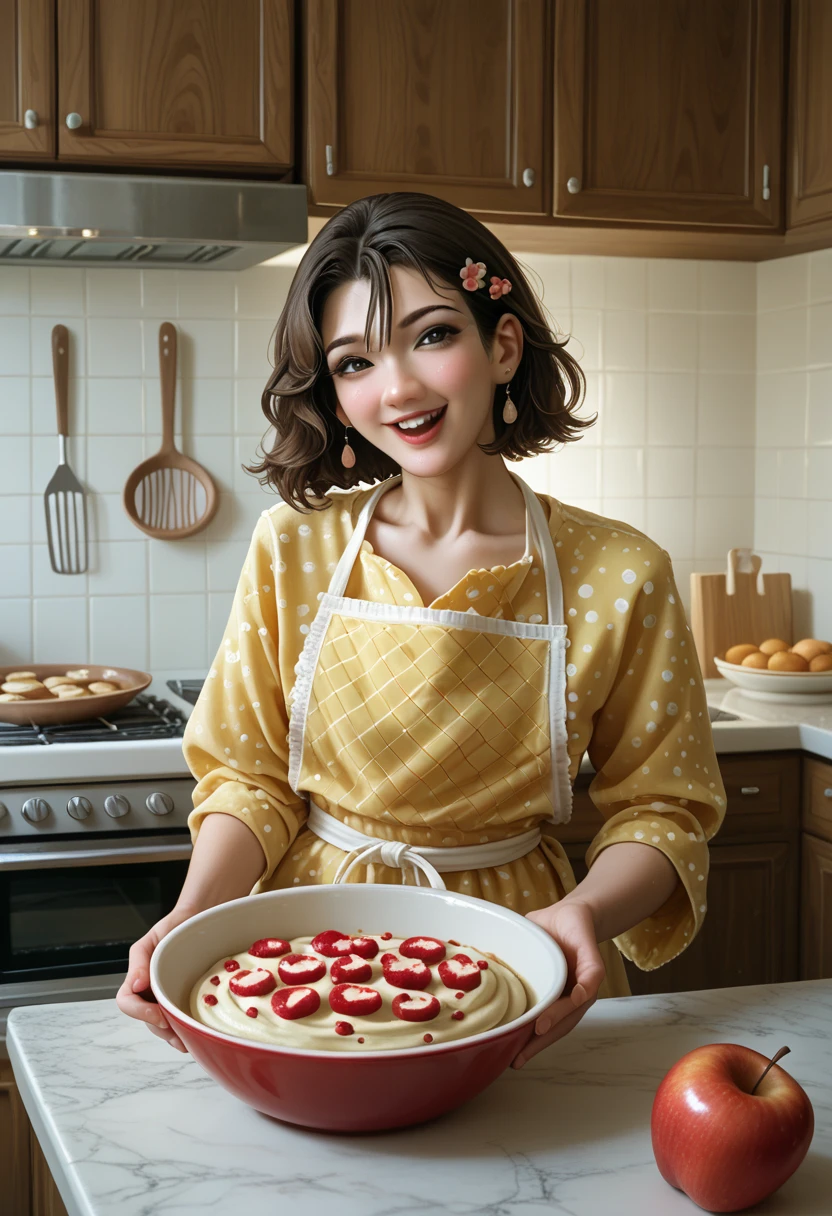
{"points": [[129, 1126]]}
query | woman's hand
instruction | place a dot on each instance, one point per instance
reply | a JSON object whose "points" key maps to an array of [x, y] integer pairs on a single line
{"points": [[134, 997], [571, 925]]}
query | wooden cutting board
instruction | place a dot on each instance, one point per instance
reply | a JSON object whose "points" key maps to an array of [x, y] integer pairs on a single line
{"points": [[742, 605]]}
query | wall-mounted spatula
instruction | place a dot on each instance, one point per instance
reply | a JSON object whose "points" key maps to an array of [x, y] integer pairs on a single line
{"points": [[65, 502], [169, 495]]}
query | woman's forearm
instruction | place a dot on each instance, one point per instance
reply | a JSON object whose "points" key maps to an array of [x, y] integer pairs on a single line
{"points": [[226, 863], [626, 883]]}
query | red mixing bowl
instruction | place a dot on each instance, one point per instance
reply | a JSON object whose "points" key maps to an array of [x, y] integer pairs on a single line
{"points": [[355, 1091]]}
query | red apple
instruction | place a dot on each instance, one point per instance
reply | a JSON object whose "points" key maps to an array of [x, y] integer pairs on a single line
{"points": [[725, 1133]]}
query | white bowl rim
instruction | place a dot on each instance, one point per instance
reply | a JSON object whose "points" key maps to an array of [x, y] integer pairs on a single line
{"points": [[764, 671], [405, 1052]]}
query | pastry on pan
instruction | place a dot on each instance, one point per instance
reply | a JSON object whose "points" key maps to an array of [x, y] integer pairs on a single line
{"points": [[21, 675], [100, 686], [68, 692], [11, 696]]}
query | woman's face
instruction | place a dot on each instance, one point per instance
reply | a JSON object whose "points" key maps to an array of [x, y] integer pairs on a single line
{"points": [[435, 364]]}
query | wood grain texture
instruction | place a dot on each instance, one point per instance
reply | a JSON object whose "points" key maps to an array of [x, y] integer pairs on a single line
{"points": [[15, 1131], [810, 113], [196, 82], [453, 99], [719, 620], [667, 110], [27, 79], [816, 909], [817, 804]]}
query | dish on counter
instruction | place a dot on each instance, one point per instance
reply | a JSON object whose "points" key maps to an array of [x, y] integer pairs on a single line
{"points": [[356, 1089], [370, 992], [796, 687], [93, 691]]}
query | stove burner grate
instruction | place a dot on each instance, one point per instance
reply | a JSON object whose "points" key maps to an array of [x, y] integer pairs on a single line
{"points": [[146, 717]]}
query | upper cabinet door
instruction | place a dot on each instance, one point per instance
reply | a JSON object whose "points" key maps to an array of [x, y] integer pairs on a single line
{"points": [[669, 111], [450, 99], [27, 76], [810, 113], [187, 83]]}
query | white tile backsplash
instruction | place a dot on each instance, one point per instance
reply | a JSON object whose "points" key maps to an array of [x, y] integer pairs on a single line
{"points": [[712, 382]]}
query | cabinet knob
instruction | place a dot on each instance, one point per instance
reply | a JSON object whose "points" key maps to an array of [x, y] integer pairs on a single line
{"points": [[529, 177], [827, 793], [750, 789], [73, 121], [574, 185], [766, 183], [30, 120], [330, 161]]}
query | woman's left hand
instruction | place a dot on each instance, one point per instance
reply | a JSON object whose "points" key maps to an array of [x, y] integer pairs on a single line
{"points": [[572, 927]]}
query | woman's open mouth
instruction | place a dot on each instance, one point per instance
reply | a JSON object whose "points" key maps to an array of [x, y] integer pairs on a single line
{"points": [[421, 430]]}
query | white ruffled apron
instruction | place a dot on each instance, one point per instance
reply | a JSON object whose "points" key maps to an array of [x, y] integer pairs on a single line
{"points": [[422, 860]]}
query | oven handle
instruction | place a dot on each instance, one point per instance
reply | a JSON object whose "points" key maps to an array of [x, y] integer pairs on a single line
{"points": [[94, 857]]}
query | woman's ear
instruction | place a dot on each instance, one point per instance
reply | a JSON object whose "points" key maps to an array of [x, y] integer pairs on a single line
{"points": [[507, 346]]}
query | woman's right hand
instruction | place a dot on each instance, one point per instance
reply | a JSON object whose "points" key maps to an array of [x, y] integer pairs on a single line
{"points": [[134, 997]]}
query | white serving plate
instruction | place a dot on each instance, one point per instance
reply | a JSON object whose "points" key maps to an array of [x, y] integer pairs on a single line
{"points": [[795, 687]]}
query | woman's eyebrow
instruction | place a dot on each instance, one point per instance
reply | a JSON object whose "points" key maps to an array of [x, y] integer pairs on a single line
{"points": [[403, 324]]}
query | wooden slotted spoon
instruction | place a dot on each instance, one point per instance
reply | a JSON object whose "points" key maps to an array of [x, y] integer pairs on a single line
{"points": [[169, 495]]}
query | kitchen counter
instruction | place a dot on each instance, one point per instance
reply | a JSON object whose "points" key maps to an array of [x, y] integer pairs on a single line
{"points": [[129, 1126]]}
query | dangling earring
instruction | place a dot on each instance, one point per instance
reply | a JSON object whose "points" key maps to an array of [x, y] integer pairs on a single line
{"points": [[509, 409], [348, 455]]}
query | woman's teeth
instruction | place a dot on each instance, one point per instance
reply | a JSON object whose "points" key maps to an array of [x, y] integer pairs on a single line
{"points": [[413, 423]]}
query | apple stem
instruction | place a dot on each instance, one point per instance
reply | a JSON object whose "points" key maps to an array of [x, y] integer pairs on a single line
{"points": [[784, 1051]]}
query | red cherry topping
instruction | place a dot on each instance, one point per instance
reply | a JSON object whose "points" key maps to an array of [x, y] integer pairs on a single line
{"points": [[385, 937], [269, 947], [231, 964], [293, 1003], [343, 1028], [482, 964], [215, 979], [366, 947], [428, 949], [350, 998], [301, 969], [416, 1007], [460, 972], [407, 973], [332, 944], [457, 1015], [459, 995], [210, 999], [389, 958], [361, 1038], [252, 983], [428, 1038], [351, 970], [251, 1012]]}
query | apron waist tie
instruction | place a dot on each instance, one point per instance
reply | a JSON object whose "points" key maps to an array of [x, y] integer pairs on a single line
{"points": [[421, 859]]}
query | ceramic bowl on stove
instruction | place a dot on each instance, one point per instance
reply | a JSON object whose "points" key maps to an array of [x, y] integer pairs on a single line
{"points": [[50, 710], [355, 1091]]}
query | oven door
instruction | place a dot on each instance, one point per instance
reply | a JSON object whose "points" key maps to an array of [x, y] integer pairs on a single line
{"points": [[74, 908]]}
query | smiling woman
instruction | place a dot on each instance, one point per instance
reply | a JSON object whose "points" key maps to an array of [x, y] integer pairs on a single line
{"points": [[413, 669]]}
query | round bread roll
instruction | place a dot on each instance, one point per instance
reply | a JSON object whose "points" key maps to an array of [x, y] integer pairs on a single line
{"points": [[773, 645], [755, 659], [810, 648], [25, 688], [736, 654], [10, 696], [68, 692], [784, 660], [821, 662], [80, 673], [99, 686], [21, 675], [53, 681]]}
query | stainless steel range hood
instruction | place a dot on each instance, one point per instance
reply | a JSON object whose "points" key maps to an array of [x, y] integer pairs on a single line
{"points": [[103, 219]]}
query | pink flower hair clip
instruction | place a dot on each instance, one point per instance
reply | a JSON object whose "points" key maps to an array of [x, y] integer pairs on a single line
{"points": [[499, 287], [472, 275]]}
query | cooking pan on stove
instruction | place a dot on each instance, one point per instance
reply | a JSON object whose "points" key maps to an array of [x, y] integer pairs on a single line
{"points": [[49, 710]]}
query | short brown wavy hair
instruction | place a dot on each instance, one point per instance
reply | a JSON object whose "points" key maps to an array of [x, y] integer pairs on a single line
{"points": [[362, 242]]}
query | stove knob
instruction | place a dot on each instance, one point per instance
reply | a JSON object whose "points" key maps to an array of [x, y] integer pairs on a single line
{"points": [[36, 809], [159, 804], [4, 810], [79, 808], [116, 805]]}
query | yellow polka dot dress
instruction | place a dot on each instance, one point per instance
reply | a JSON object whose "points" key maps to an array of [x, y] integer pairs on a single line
{"points": [[635, 704]]}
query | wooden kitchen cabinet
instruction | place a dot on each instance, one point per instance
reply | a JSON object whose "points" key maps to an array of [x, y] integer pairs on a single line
{"points": [[810, 113], [28, 1188], [669, 112], [27, 80], [196, 83], [816, 876], [750, 934], [450, 99]]}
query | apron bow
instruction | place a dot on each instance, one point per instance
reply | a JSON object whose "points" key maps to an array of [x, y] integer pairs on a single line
{"points": [[391, 853]]}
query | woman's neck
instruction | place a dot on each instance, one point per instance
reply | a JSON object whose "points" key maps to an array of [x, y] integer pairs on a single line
{"points": [[480, 497]]}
